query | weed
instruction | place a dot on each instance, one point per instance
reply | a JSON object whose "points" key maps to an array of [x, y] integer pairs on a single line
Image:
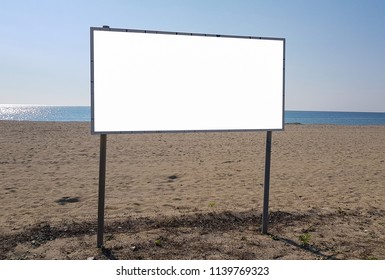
{"points": [[212, 204], [158, 242], [274, 237], [305, 239]]}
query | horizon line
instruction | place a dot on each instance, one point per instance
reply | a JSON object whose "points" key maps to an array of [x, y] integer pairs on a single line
{"points": [[286, 110]]}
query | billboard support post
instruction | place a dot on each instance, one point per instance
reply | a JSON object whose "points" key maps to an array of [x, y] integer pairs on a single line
{"points": [[265, 215], [102, 188]]}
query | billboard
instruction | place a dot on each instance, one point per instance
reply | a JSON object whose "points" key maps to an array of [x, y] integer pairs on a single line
{"points": [[153, 81]]}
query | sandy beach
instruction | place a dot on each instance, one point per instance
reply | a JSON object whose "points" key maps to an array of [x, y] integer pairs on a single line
{"points": [[194, 195]]}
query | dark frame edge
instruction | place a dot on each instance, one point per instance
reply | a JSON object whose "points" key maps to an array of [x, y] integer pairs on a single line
{"points": [[183, 33], [92, 78], [283, 84]]}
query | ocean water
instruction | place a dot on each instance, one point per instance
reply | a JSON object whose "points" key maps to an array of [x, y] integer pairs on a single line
{"points": [[45, 113], [83, 114], [338, 118]]}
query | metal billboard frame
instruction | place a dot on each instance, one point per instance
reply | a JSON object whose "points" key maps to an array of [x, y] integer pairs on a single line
{"points": [[121, 30], [103, 135]]}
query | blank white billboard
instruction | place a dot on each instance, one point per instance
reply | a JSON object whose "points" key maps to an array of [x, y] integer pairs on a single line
{"points": [[148, 81]]}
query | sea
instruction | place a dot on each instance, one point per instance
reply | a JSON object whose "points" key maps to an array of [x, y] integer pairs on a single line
{"points": [[83, 114]]}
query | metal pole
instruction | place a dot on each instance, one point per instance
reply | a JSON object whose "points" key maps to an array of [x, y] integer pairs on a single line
{"points": [[265, 215], [102, 187]]}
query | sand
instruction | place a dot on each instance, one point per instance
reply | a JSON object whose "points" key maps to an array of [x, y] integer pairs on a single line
{"points": [[192, 196]]}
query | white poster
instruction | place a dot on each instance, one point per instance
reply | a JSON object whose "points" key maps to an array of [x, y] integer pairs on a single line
{"points": [[143, 81]]}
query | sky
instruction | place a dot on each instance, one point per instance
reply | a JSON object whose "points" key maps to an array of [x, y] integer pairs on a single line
{"points": [[335, 58]]}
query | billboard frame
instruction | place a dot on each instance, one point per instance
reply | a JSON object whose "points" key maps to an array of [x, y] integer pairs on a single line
{"points": [[126, 30], [103, 135]]}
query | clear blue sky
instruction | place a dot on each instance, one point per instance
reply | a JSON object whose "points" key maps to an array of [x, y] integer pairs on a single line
{"points": [[335, 50]]}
